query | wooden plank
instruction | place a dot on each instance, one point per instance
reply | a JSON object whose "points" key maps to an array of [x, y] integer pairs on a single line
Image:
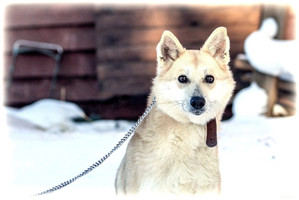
{"points": [[186, 35], [122, 107], [124, 53], [138, 85], [286, 86], [288, 102], [29, 90], [33, 15], [146, 52], [36, 65], [127, 69], [169, 16], [77, 89], [290, 24], [269, 84], [30, 66], [78, 64], [70, 38]]}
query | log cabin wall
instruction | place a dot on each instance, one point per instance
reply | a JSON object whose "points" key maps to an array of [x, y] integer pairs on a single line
{"points": [[72, 27], [127, 39], [110, 59]]}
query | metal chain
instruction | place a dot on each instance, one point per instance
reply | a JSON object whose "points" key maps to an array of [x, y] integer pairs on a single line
{"points": [[99, 162]]}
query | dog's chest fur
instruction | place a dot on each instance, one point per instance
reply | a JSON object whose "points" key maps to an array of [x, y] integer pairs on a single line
{"points": [[174, 157]]}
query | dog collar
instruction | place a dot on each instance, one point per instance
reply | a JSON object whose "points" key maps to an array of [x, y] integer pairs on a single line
{"points": [[211, 133]]}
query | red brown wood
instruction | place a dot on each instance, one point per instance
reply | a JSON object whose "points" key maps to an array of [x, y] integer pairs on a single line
{"points": [[74, 64], [77, 89], [23, 91], [118, 107], [124, 86], [146, 52], [110, 51], [170, 16], [70, 38], [290, 24], [128, 69], [41, 15], [186, 35]]}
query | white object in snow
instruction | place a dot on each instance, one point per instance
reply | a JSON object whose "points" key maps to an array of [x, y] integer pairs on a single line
{"points": [[251, 101], [50, 114], [274, 57]]}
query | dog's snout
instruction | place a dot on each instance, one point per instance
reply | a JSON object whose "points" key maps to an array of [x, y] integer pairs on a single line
{"points": [[197, 102]]}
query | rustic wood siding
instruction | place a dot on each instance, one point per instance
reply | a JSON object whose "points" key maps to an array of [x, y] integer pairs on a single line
{"points": [[127, 38], [110, 57], [290, 24], [72, 27]]}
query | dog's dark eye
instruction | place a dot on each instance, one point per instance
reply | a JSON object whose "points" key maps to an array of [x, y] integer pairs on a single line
{"points": [[209, 79], [183, 79]]}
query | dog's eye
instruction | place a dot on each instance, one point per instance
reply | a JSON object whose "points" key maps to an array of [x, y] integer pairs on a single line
{"points": [[183, 79], [209, 79]]}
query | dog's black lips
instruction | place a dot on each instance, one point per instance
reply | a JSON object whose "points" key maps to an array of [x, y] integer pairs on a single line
{"points": [[197, 112]]}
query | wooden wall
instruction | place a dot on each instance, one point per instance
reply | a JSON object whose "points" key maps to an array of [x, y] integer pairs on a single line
{"points": [[110, 57], [70, 26], [128, 37]]}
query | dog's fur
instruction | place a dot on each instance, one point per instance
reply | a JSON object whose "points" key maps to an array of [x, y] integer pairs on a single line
{"points": [[168, 153]]}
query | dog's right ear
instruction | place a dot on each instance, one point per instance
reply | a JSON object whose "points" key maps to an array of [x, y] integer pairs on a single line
{"points": [[217, 45], [168, 50]]}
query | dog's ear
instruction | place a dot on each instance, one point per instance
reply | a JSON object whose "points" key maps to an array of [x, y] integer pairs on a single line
{"points": [[168, 50], [217, 45]]}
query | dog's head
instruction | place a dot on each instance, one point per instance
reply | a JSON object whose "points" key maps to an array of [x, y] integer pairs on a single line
{"points": [[193, 85]]}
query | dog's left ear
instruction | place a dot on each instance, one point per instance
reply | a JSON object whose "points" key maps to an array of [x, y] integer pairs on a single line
{"points": [[217, 45], [168, 50]]}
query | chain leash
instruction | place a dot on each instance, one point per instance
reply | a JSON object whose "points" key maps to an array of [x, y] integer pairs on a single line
{"points": [[99, 162]]}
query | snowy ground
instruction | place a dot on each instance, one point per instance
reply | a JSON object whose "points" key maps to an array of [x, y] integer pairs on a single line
{"points": [[258, 158]]}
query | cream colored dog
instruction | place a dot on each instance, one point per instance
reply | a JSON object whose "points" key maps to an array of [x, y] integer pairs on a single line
{"points": [[168, 153]]}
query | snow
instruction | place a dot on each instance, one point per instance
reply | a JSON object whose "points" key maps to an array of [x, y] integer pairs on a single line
{"points": [[258, 155], [256, 106], [271, 56], [49, 113]]}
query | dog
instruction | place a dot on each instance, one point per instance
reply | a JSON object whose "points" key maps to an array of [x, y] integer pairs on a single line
{"points": [[169, 152]]}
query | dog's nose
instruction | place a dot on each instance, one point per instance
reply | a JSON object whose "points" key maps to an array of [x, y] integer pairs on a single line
{"points": [[197, 102]]}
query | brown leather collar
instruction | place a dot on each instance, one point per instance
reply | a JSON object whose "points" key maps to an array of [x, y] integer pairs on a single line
{"points": [[211, 133]]}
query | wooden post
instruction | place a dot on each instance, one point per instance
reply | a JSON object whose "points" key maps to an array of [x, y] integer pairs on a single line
{"points": [[269, 83]]}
